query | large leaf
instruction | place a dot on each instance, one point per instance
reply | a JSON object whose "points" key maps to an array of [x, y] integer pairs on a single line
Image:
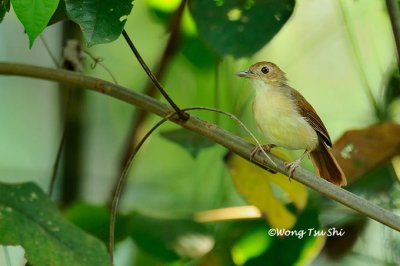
{"points": [[4, 7], [28, 218], [268, 192], [363, 150], [34, 15], [101, 21], [240, 27], [170, 239]]}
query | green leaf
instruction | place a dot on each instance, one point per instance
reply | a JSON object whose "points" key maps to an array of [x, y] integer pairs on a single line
{"points": [[251, 244], [375, 181], [34, 15], [240, 27], [4, 7], [189, 140], [59, 15], [28, 218], [100, 21], [296, 246], [96, 219], [170, 239], [198, 53]]}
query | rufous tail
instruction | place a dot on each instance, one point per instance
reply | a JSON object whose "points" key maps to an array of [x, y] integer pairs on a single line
{"points": [[326, 166]]}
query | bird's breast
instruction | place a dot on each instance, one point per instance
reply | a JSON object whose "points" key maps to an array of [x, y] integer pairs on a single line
{"points": [[279, 120]]}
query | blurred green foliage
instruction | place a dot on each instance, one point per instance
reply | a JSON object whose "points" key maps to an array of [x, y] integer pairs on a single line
{"points": [[4, 7], [177, 174]]}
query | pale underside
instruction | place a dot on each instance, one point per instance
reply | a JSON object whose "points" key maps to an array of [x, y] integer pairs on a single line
{"points": [[279, 120]]}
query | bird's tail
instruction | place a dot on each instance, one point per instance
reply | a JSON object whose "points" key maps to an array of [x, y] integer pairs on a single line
{"points": [[326, 166]]}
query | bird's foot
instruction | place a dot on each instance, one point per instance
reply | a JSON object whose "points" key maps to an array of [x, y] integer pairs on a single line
{"points": [[265, 147], [292, 166]]}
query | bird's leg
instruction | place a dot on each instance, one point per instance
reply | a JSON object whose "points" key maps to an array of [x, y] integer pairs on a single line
{"points": [[296, 163], [265, 147]]}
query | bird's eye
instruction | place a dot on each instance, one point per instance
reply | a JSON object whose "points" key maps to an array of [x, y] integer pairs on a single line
{"points": [[265, 70]]}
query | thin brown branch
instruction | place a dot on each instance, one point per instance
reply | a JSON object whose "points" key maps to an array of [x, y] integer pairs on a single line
{"points": [[182, 115], [61, 145], [121, 183], [217, 87], [48, 50], [358, 59], [210, 131], [170, 50], [393, 10]]}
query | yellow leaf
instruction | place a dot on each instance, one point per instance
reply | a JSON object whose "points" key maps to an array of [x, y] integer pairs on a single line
{"points": [[268, 192]]}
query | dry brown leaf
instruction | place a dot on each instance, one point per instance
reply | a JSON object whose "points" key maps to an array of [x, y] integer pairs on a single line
{"points": [[360, 151]]}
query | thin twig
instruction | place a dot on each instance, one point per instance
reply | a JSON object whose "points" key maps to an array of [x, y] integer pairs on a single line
{"points": [[182, 115], [240, 123], [208, 130], [120, 186], [358, 61], [170, 49], [52, 56], [117, 191], [393, 10], [98, 61], [60, 145], [139, 116], [217, 87]]}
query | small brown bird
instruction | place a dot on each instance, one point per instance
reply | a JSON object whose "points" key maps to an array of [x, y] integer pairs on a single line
{"points": [[289, 121]]}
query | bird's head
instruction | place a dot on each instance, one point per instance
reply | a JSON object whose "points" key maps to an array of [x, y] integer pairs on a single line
{"points": [[267, 72]]}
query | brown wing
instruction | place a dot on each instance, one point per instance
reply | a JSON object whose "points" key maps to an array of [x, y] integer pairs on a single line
{"points": [[307, 111]]}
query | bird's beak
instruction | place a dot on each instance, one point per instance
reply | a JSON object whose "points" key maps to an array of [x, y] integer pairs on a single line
{"points": [[245, 74]]}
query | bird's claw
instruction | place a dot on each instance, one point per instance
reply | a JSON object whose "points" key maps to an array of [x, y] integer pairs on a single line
{"points": [[265, 147], [292, 166]]}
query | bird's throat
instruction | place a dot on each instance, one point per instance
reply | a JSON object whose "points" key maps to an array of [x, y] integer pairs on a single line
{"points": [[277, 116]]}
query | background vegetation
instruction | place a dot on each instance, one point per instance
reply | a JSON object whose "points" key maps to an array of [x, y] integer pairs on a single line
{"points": [[177, 205]]}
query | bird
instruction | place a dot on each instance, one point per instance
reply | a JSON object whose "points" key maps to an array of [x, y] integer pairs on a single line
{"points": [[286, 119]]}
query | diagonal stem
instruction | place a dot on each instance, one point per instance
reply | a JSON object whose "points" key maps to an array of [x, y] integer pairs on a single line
{"points": [[394, 14], [140, 115], [120, 186], [182, 115], [358, 60]]}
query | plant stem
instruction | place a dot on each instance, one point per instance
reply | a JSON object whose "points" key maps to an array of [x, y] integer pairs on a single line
{"points": [[140, 115], [121, 183], [217, 87], [393, 10], [56, 164], [210, 131], [358, 61], [182, 115]]}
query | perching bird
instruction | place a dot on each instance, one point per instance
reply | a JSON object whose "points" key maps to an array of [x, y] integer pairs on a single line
{"points": [[289, 121]]}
